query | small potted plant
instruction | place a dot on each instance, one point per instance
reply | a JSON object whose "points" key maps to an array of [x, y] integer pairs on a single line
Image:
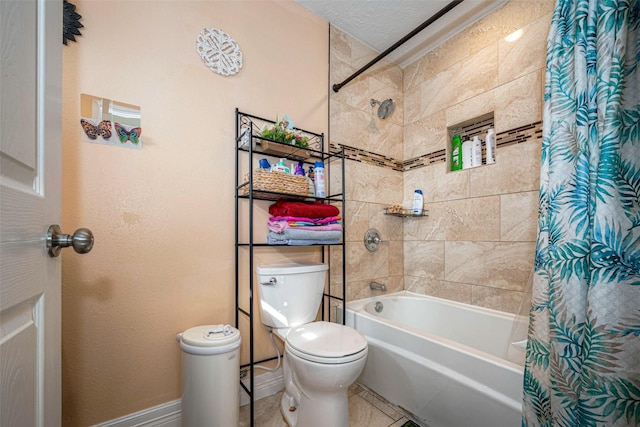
{"points": [[282, 131]]}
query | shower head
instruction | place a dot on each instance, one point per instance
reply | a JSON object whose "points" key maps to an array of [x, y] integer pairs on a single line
{"points": [[386, 107]]}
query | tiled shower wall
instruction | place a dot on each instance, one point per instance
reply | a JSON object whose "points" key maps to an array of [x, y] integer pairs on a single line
{"points": [[477, 243], [369, 187]]}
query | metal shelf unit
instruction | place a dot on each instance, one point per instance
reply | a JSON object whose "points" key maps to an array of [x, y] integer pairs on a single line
{"points": [[248, 144]]}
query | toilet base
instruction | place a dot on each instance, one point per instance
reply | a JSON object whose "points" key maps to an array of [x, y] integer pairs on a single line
{"points": [[332, 411], [324, 403]]}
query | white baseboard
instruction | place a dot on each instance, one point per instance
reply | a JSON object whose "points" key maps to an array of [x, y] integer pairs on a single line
{"points": [[265, 385], [164, 415], [168, 414]]}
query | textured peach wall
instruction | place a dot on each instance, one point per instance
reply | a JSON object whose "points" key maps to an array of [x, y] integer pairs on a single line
{"points": [[163, 216]]}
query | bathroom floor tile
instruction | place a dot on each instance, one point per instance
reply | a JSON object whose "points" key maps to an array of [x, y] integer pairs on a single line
{"points": [[355, 388], [363, 414], [366, 409], [381, 405], [267, 413]]}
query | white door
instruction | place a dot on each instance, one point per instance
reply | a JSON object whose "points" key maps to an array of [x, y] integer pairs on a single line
{"points": [[30, 157]]}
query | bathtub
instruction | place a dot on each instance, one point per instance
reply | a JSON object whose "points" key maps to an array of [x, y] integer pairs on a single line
{"points": [[441, 361]]}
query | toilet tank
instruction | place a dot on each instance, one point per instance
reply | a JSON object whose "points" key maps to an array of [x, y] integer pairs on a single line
{"points": [[290, 294]]}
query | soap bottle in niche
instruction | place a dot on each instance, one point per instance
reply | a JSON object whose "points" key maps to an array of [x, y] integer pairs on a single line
{"points": [[318, 172], [491, 146], [418, 202], [456, 153], [476, 152], [467, 146]]}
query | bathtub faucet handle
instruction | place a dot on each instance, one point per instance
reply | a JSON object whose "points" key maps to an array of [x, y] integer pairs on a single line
{"points": [[372, 239], [375, 286]]}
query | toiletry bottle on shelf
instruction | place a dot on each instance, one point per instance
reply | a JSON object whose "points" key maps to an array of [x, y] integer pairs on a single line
{"points": [[418, 202], [318, 172], [456, 153], [264, 164], [466, 154], [476, 152], [280, 167], [491, 146]]}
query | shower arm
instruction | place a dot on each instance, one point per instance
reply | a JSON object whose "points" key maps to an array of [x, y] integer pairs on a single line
{"points": [[425, 24]]}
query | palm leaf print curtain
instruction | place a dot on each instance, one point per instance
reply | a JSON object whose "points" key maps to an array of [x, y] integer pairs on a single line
{"points": [[583, 353]]}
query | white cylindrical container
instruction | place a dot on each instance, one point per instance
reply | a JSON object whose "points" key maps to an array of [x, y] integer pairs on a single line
{"points": [[210, 376], [467, 147], [476, 152], [491, 146]]}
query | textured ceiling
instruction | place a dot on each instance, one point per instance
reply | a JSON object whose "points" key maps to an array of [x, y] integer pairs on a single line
{"points": [[381, 23]]}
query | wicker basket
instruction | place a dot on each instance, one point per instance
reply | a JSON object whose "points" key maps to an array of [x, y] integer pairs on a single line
{"points": [[278, 182]]}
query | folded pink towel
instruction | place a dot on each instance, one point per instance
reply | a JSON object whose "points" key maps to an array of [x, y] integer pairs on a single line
{"points": [[325, 220], [280, 226]]}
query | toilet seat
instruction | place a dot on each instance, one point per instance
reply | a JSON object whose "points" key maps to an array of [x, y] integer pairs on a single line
{"points": [[325, 342]]}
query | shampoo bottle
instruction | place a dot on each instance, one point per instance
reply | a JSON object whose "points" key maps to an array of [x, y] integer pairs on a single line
{"points": [[456, 153], [418, 202], [476, 152], [491, 146], [318, 172], [466, 154]]}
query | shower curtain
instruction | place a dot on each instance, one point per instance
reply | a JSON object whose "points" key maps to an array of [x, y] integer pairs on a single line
{"points": [[583, 353]]}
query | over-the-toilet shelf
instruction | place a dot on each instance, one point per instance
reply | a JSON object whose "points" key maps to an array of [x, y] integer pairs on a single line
{"points": [[299, 218]]}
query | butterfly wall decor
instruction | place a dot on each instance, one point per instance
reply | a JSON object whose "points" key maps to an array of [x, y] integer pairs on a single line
{"points": [[107, 122], [133, 134], [93, 130]]}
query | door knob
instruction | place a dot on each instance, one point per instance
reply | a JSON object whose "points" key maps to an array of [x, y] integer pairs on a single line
{"points": [[82, 240]]}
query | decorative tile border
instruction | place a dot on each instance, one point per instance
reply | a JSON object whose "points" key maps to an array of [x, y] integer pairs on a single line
{"points": [[363, 156], [530, 132], [521, 134]]}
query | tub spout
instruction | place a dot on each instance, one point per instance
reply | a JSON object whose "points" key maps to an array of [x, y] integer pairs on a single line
{"points": [[378, 286]]}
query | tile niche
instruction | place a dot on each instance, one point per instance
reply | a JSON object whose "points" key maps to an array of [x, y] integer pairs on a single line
{"points": [[467, 130]]}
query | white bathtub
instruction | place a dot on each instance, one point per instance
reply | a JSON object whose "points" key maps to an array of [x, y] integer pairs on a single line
{"points": [[442, 361]]}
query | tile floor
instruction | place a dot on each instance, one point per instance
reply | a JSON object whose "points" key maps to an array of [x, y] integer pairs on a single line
{"points": [[365, 410]]}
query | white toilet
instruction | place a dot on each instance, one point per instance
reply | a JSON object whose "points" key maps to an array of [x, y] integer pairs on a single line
{"points": [[321, 359]]}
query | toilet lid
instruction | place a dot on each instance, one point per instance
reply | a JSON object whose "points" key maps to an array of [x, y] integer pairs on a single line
{"points": [[325, 340]]}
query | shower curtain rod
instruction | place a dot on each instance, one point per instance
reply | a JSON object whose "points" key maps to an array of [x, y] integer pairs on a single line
{"points": [[425, 24]]}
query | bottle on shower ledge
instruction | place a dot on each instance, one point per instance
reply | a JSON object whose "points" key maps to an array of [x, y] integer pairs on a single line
{"points": [[456, 153], [467, 147], [476, 152], [418, 202], [491, 146]]}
